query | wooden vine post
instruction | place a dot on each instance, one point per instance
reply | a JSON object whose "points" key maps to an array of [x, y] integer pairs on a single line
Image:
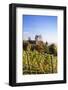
{"points": [[52, 62]]}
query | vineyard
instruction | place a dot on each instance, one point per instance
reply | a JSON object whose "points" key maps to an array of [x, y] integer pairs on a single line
{"points": [[35, 62]]}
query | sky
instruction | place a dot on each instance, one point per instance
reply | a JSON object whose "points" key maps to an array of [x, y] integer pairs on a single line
{"points": [[46, 26]]}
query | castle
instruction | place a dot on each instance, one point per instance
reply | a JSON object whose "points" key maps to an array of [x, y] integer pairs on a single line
{"points": [[38, 38], [33, 44]]}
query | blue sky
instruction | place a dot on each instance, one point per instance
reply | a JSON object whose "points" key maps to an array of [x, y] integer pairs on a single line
{"points": [[46, 26]]}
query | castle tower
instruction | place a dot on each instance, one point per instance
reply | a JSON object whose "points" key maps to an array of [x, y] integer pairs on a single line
{"points": [[38, 38]]}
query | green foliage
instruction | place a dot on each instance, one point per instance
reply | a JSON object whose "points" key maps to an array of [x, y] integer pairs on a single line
{"points": [[53, 49], [35, 62], [40, 47], [39, 57], [46, 48]]}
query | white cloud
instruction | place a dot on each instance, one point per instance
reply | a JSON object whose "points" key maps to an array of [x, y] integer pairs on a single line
{"points": [[25, 35]]}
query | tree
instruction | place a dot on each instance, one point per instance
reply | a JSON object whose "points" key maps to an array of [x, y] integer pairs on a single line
{"points": [[53, 49], [46, 48], [25, 44]]}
